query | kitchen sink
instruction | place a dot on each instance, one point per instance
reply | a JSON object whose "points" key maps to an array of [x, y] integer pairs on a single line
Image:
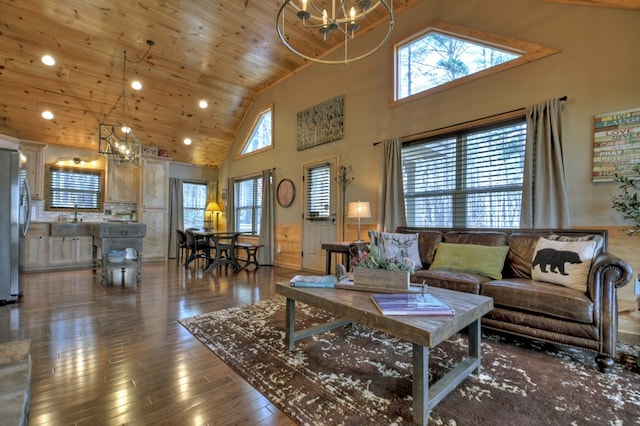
{"points": [[65, 229]]}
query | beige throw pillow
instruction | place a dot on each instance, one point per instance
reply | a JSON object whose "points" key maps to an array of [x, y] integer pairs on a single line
{"points": [[565, 263], [399, 246]]}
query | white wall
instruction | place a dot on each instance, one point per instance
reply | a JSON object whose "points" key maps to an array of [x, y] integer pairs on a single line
{"points": [[191, 172], [597, 68]]}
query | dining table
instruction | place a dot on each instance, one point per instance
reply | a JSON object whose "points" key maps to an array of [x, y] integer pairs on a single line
{"points": [[224, 252]]}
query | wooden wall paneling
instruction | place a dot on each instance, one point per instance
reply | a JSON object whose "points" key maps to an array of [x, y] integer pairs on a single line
{"points": [[289, 236]]}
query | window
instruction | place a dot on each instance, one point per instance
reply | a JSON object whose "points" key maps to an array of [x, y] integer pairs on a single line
{"points": [[194, 203], [444, 56], [261, 134], [437, 58], [248, 204], [69, 188], [469, 179], [318, 181]]}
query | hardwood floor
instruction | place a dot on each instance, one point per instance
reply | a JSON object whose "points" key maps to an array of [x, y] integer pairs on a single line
{"points": [[113, 355]]}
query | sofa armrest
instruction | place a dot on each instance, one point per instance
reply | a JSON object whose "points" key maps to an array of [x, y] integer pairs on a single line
{"points": [[608, 273], [610, 268]]}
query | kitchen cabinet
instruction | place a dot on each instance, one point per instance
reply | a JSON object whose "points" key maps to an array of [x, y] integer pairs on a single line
{"points": [[42, 251], [34, 155], [33, 248], [155, 183], [75, 251], [122, 183], [153, 211], [154, 245]]}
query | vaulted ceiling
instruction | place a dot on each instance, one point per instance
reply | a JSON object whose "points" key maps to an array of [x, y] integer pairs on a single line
{"points": [[225, 52]]}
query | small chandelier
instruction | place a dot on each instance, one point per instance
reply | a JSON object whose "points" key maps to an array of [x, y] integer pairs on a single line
{"points": [[329, 17], [117, 141]]}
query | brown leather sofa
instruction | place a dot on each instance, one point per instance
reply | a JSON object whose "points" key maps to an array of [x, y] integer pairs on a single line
{"points": [[530, 308]]}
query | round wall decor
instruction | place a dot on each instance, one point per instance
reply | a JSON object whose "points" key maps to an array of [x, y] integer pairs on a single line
{"points": [[286, 192]]}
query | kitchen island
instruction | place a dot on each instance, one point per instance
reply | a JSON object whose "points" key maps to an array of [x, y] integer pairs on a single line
{"points": [[117, 236]]}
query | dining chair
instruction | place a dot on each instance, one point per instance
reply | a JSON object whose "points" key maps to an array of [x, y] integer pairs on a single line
{"points": [[198, 248], [182, 245]]}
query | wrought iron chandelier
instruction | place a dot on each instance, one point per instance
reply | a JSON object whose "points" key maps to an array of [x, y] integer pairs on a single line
{"points": [[342, 18], [117, 141]]}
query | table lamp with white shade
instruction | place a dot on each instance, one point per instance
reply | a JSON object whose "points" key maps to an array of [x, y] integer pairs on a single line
{"points": [[213, 207], [359, 210]]}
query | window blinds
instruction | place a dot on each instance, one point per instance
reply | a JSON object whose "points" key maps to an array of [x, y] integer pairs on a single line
{"points": [[470, 179], [69, 188], [248, 204], [318, 185]]}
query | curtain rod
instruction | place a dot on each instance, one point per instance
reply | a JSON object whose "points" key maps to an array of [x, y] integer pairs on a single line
{"points": [[251, 175], [505, 114]]}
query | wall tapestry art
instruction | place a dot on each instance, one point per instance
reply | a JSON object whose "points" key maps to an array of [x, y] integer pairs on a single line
{"points": [[616, 144], [321, 123]]}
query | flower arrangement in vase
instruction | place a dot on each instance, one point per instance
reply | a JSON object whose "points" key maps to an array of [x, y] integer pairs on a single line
{"points": [[373, 269], [375, 259]]}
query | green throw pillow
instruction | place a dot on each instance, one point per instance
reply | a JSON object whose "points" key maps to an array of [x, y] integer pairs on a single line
{"points": [[472, 258]]}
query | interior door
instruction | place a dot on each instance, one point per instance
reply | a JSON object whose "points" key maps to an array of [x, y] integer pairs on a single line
{"points": [[319, 214]]}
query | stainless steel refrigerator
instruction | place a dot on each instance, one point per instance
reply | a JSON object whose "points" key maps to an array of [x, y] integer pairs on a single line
{"points": [[15, 210]]}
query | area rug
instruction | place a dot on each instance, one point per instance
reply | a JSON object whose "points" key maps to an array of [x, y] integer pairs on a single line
{"points": [[356, 375]]}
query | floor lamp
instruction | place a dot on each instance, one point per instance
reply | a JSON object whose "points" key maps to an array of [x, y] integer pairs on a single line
{"points": [[359, 210]]}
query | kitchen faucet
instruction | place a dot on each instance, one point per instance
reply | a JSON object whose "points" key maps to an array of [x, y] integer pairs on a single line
{"points": [[75, 212]]}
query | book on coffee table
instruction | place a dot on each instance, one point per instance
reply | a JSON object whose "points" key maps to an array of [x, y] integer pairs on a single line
{"points": [[319, 281], [410, 304]]}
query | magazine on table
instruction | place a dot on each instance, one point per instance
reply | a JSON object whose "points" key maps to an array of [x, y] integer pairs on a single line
{"points": [[319, 281], [410, 304]]}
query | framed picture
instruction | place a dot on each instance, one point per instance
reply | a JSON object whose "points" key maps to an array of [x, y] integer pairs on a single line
{"points": [[223, 195], [321, 123], [150, 150]]}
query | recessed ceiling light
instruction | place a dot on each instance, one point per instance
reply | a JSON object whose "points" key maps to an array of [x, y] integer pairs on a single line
{"points": [[203, 104], [47, 115], [187, 141], [136, 85], [48, 60]]}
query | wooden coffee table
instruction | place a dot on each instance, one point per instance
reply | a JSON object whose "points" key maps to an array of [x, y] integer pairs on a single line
{"points": [[424, 332]]}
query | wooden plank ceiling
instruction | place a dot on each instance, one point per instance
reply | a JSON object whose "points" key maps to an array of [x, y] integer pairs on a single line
{"points": [[225, 52]]}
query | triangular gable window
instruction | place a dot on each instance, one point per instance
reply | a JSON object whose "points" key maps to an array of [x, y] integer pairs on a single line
{"points": [[443, 56], [261, 136]]}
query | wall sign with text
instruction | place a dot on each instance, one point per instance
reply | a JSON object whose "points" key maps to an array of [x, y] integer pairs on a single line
{"points": [[616, 144]]}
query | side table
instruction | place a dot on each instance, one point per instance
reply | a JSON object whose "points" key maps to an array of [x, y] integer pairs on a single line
{"points": [[340, 247]]}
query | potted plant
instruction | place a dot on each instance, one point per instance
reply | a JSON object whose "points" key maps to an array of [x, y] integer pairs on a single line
{"points": [[626, 203], [373, 269]]}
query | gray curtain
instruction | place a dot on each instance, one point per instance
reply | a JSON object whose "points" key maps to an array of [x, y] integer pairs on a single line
{"points": [[265, 254], [544, 192], [392, 213], [231, 226], [176, 219]]}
